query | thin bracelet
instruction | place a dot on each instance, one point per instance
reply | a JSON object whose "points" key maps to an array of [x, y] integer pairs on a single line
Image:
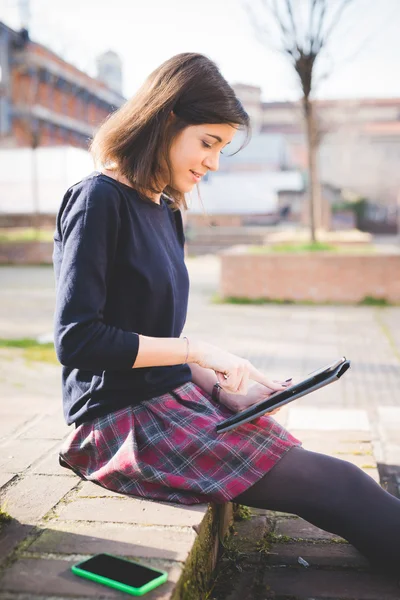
{"points": [[216, 392], [187, 349]]}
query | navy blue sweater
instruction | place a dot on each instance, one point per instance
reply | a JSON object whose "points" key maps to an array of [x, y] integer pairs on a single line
{"points": [[120, 271]]}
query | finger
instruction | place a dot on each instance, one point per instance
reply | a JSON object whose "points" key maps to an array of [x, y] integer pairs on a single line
{"points": [[220, 377], [244, 383], [238, 378], [286, 382], [256, 375], [230, 382]]}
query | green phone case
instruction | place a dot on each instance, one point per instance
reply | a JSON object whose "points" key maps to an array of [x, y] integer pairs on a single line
{"points": [[122, 587]]}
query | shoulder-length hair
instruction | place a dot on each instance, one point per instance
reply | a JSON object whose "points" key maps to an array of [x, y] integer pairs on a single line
{"points": [[137, 137]]}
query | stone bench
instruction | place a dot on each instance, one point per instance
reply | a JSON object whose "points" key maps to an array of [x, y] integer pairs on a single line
{"points": [[61, 519]]}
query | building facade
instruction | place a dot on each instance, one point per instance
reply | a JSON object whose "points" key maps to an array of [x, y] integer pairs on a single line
{"points": [[46, 101], [359, 139]]}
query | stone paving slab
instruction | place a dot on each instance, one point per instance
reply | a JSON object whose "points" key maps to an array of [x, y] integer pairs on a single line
{"points": [[49, 465], [305, 584], [5, 478], [317, 555], [328, 419], [52, 577], [52, 427], [250, 533], [11, 423], [92, 538], [17, 455], [338, 447], [11, 536], [130, 510], [34, 495], [92, 490], [299, 529]]}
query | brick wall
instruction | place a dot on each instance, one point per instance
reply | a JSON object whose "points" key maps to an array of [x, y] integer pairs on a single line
{"points": [[200, 220], [315, 277], [44, 220], [27, 253]]}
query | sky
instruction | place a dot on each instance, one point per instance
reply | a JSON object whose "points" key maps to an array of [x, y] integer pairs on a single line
{"points": [[363, 59]]}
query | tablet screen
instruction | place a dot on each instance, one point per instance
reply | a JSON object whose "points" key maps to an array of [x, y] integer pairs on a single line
{"points": [[312, 382]]}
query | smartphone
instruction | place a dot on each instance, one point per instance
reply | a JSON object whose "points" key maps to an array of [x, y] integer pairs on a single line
{"points": [[119, 573]]}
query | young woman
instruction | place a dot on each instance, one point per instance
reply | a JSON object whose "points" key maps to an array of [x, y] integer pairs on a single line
{"points": [[145, 401]]}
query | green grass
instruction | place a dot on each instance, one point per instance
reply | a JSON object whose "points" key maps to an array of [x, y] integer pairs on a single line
{"points": [[25, 234], [311, 247], [32, 350], [4, 518], [367, 301], [372, 301]]}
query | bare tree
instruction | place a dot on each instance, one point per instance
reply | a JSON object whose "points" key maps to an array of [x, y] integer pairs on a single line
{"points": [[304, 28]]}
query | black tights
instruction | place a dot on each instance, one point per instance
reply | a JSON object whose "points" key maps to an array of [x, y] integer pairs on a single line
{"points": [[336, 496]]}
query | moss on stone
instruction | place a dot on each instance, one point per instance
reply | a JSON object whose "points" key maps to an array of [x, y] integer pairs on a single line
{"points": [[4, 518], [195, 580], [241, 512]]}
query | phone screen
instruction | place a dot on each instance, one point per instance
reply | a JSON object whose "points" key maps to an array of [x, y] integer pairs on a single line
{"points": [[120, 570]]}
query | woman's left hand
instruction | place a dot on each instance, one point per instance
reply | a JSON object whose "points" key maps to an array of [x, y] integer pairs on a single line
{"points": [[255, 394]]}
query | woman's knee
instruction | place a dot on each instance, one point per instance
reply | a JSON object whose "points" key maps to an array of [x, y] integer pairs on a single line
{"points": [[303, 479]]}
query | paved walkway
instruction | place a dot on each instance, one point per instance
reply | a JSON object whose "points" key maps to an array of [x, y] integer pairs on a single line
{"points": [[59, 519]]}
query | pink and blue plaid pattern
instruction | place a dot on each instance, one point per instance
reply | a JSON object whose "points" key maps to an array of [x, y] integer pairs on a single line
{"points": [[167, 449]]}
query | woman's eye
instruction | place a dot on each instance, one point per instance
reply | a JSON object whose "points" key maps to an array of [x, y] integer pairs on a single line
{"points": [[208, 146]]}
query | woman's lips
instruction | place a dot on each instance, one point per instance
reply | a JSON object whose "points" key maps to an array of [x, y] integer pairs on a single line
{"points": [[196, 176]]}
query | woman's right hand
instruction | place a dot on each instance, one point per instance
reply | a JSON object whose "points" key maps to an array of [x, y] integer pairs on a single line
{"points": [[233, 372]]}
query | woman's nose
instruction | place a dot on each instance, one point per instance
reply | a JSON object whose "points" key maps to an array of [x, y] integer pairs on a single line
{"points": [[212, 162]]}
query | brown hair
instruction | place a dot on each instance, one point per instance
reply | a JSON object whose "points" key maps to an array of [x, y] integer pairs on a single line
{"points": [[137, 137]]}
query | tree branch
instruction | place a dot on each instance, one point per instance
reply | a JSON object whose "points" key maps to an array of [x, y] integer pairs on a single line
{"points": [[334, 23]]}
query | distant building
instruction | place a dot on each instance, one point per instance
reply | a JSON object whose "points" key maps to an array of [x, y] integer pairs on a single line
{"points": [[360, 139], [109, 70], [46, 101], [244, 193]]}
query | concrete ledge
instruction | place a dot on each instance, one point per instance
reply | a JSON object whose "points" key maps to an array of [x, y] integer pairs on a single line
{"points": [[83, 519], [312, 276]]}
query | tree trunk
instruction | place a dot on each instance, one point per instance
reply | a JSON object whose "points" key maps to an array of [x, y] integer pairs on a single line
{"points": [[313, 183], [35, 179]]}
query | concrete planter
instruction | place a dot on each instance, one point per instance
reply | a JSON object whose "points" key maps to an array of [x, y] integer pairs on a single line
{"points": [[315, 277], [26, 253]]}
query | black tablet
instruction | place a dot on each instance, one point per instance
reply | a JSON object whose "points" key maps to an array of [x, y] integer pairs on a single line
{"points": [[313, 381]]}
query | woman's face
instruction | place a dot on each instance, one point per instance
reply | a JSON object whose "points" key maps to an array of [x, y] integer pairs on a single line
{"points": [[195, 151]]}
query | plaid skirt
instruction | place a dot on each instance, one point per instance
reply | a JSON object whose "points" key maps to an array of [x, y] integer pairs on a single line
{"points": [[167, 449]]}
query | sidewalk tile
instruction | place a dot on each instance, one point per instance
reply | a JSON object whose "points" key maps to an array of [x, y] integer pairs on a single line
{"points": [[17, 455], [10, 536], [49, 427], [93, 490], [91, 538], [5, 478], [298, 528], [317, 555], [306, 583], [49, 465], [129, 510], [328, 419], [32, 497], [50, 577], [10, 422]]}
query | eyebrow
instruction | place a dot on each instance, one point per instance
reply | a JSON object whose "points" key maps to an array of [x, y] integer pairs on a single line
{"points": [[217, 138]]}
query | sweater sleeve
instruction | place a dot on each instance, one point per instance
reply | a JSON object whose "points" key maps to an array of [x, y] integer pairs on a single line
{"points": [[87, 237]]}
